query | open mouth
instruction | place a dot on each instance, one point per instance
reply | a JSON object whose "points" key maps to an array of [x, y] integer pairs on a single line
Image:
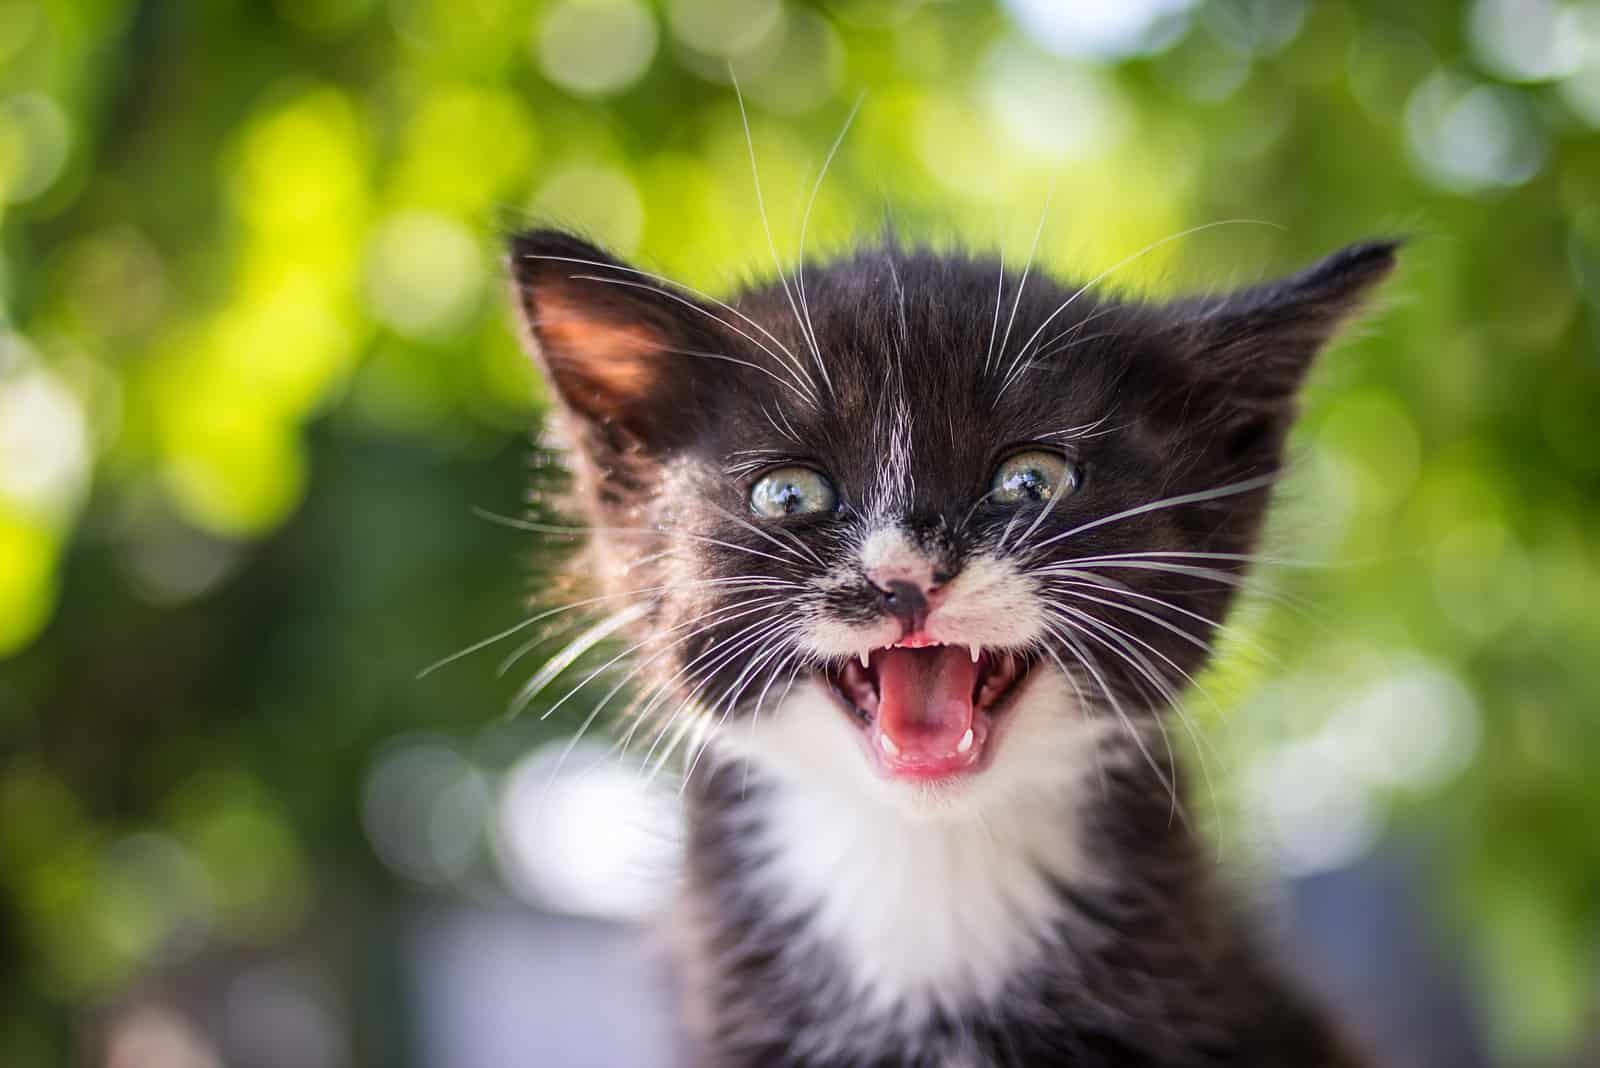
{"points": [[929, 711]]}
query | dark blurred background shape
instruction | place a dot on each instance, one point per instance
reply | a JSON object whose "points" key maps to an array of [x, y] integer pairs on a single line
{"points": [[260, 394]]}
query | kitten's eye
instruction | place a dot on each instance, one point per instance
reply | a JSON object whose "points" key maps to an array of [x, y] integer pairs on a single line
{"points": [[1032, 477], [792, 491]]}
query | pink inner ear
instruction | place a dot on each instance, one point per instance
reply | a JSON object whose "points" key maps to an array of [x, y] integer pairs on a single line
{"points": [[602, 368]]}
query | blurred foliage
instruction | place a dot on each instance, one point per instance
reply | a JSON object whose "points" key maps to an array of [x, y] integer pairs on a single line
{"points": [[256, 374]]}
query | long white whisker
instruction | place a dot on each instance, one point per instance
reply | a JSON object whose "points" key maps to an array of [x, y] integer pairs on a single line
{"points": [[585, 641], [546, 528], [736, 691], [701, 623], [1247, 558], [706, 675], [755, 712], [594, 713], [805, 220], [738, 583], [994, 325], [526, 623], [793, 548], [792, 361], [1083, 657], [1043, 349], [1244, 486], [1027, 267], [1165, 690], [800, 390], [800, 386], [1061, 587], [772, 245], [1044, 513], [695, 669], [1073, 432], [1176, 703], [1011, 374]]}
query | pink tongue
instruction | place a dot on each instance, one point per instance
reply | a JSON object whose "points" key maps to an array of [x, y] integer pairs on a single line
{"points": [[925, 700]]}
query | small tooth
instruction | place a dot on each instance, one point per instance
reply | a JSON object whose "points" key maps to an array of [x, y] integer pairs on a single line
{"points": [[973, 649], [888, 746], [966, 742], [864, 663]]}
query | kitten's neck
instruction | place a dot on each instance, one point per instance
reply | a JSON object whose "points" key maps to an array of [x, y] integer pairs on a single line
{"points": [[816, 931]]}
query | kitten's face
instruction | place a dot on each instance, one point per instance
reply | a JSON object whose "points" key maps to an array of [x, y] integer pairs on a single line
{"points": [[922, 528]]}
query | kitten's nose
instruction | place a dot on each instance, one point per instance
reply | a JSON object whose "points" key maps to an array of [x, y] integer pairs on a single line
{"points": [[906, 601]]}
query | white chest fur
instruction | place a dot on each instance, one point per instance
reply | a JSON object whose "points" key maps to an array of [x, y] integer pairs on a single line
{"points": [[927, 900]]}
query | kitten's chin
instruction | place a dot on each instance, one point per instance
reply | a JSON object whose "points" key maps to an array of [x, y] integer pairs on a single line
{"points": [[929, 714]]}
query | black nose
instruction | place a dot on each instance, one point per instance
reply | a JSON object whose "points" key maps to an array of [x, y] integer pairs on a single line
{"points": [[906, 601]]}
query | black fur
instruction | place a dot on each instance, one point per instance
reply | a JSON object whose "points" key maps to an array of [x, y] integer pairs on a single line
{"points": [[676, 403]]}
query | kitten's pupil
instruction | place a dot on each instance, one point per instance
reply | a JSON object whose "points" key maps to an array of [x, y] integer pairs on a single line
{"points": [[1033, 478], [1029, 483], [791, 491]]}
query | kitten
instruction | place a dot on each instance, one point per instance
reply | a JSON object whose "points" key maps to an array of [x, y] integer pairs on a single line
{"points": [[923, 552]]}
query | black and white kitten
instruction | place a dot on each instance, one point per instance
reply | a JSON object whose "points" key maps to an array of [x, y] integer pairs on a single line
{"points": [[921, 552]]}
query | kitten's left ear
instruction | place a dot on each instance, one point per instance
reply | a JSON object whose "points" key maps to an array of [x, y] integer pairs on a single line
{"points": [[611, 340], [1259, 342]]}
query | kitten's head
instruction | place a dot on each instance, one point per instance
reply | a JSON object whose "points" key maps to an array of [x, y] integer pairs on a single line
{"points": [[909, 520]]}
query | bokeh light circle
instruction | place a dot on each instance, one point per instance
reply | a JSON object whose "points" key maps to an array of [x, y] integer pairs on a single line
{"points": [[425, 276], [723, 27], [582, 833], [1468, 136], [424, 807], [596, 47], [35, 138]]}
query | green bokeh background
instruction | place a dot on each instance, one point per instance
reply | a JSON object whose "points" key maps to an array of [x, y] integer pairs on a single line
{"points": [[258, 379]]}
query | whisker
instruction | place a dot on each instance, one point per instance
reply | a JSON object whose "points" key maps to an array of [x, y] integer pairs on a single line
{"points": [[1044, 350], [1049, 506], [755, 712], [1168, 693], [761, 207], [975, 504], [793, 360], [731, 701], [1247, 558], [695, 669], [1072, 432], [733, 583], [800, 386], [794, 547], [526, 623], [585, 641], [994, 326], [1011, 375], [1027, 267], [706, 675], [533, 527], [1225, 578], [1082, 656], [1176, 703], [805, 220], [594, 713], [1151, 616], [707, 620], [1232, 489]]}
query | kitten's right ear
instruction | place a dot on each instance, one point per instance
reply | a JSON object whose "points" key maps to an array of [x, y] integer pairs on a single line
{"points": [[606, 335], [1262, 340]]}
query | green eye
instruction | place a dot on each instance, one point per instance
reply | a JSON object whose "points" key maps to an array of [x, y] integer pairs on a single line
{"points": [[1032, 477], [792, 491]]}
